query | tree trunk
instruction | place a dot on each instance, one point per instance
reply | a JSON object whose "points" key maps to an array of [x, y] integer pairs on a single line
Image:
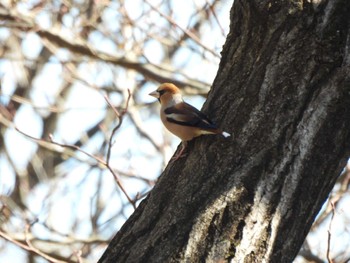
{"points": [[283, 89]]}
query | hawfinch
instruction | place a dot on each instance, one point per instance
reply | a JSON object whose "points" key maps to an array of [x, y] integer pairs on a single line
{"points": [[182, 119]]}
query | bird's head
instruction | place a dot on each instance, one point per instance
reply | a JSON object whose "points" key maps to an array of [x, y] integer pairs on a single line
{"points": [[167, 93]]}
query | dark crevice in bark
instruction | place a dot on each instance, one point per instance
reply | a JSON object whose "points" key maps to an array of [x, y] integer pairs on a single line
{"points": [[210, 238]]}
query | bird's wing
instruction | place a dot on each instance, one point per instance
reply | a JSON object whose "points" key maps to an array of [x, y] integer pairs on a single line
{"points": [[187, 115]]}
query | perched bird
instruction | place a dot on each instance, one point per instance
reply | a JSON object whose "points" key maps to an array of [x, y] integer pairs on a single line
{"points": [[180, 118]]}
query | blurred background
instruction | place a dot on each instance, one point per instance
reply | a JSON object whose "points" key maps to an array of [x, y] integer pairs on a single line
{"points": [[81, 142]]}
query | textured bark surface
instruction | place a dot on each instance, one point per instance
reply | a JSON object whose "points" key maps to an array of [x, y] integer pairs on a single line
{"points": [[283, 89]]}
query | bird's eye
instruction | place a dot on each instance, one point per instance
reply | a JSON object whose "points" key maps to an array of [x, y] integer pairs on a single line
{"points": [[161, 92]]}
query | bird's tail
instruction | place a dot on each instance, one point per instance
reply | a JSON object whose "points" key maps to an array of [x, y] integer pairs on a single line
{"points": [[225, 134], [215, 131]]}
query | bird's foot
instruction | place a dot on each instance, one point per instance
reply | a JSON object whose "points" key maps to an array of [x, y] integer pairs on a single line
{"points": [[181, 153], [178, 156]]}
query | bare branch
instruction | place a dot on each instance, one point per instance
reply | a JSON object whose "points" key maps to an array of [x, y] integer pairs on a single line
{"points": [[29, 248], [120, 118], [74, 147], [188, 33]]}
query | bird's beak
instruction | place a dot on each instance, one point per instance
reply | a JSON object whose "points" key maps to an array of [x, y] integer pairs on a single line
{"points": [[154, 94]]}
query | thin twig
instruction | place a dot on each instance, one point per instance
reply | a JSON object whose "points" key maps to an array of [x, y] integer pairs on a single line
{"points": [[77, 148], [110, 144], [69, 146], [211, 7], [29, 247], [120, 118], [188, 33], [330, 235], [111, 105], [134, 116], [78, 255]]}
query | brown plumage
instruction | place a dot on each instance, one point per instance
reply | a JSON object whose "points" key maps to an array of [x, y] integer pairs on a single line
{"points": [[180, 118]]}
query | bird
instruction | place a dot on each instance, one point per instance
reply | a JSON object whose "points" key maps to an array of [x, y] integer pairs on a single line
{"points": [[181, 118]]}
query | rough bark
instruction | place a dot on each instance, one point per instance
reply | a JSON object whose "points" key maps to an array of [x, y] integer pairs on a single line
{"points": [[283, 89]]}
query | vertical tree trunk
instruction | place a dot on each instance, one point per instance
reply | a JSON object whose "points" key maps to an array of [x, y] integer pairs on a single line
{"points": [[283, 89]]}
